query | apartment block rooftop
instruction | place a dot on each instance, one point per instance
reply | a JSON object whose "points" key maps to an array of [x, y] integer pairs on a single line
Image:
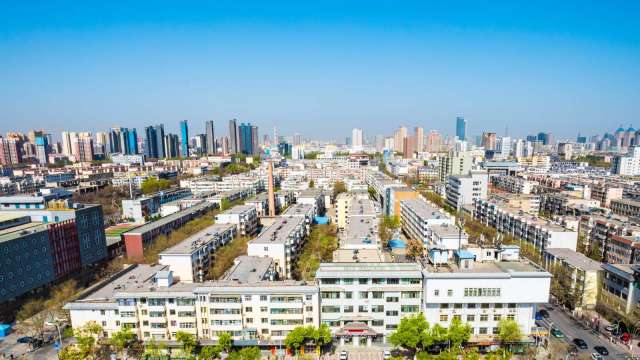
{"points": [[374, 269], [195, 242], [279, 231], [362, 207], [21, 229], [575, 259], [250, 269], [425, 210], [360, 255], [239, 209], [298, 210]]}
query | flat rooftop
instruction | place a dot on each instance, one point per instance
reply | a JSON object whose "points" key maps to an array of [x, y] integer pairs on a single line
{"points": [[425, 210], [575, 259], [239, 209], [298, 210], [488, 267], [447, 231], [530, 218], [196, 241], [169, 218], [374, 269], [18, 231], [249, 269], [279, 231], [360, 230], [362, 207], [359, 255]]}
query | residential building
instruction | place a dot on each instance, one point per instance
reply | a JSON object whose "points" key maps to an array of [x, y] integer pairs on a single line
{"points": [[626, 207], [513, 184], [584, 275], [419, 216], [210, 138], [465, 189], [454, 163], [621, 288], [244, 217], [461, 128], [191, 259], [184, 138], [628, 165]]}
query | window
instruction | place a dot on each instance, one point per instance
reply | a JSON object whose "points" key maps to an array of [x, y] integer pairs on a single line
{"points": [[249, 320], [348, 295], [363, 308], [363, 281], [496, 317], [481, 292], [450, 292], [482, 331], [156, 302], [264, 320], [348, 309], [329, 281], [484, 305], [484, 317], [512, 306], [497, 306], [248, 309], [347, 281], [364, 295], [377, 294], [457, 317], [495, 331], [187, 325], [511, 317], [444, 306], [330, 294], [471, 306], [393, 281], [377, 322], [444, 317], [392, 313], [377, 308], [392, 299], [457, 306], [436, 292], [410, 295], [378, 281], [409, 308], [471, 318], [263, 297], [263, 309]]}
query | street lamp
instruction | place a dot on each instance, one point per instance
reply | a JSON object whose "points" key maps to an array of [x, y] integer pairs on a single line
{"points": [[549, 333]]}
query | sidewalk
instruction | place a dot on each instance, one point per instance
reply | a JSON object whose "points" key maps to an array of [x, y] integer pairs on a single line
{"points": [[593, 320]]}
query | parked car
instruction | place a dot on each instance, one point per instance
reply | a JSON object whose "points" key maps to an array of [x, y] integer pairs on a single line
{"points": [[344, 355], [601, 350], [557, 333], [581, 344], [596, 356], [25, 340], [544, 313], [386, 354], [539, 316]]}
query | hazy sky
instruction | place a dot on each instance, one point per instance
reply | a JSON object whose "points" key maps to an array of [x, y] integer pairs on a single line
{"points": [[320, 69]]}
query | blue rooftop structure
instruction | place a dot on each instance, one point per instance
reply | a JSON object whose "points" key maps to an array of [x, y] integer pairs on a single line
{"points": [[397, 244], [5, 329], [464, 254]]}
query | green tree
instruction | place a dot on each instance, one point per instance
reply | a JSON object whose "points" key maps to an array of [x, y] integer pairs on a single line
{"points": [[225, 342], [324, 335], [295, 338], [247, 353], [312, 184], [412, 334], [339, 187], [70, 352], [151, 185], [209, 352], [121, 339], [509, 331], [187, 341], [458, 333], [414, 248]]}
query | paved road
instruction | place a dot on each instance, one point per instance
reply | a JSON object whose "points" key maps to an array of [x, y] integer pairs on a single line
{"points": [[573, 329]]}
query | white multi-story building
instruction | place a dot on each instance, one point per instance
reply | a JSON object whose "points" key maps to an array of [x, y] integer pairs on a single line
{"points": [[542, 234], [464, 189], [190, 260], [627, 165], [282, 241], [244, 217], [363, 302], [146, 300], [483, 293], [513, 184], [419, 216]]}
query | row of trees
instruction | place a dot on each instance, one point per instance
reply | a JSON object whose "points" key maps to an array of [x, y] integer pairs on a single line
{"points": [[387, 227], [415, 335], [308, 335], [151, 185], [323, 241], [90, 345]]}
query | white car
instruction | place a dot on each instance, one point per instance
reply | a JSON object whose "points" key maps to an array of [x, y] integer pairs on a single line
{"points": [[386, 355], [344, 355], [596, 356]]}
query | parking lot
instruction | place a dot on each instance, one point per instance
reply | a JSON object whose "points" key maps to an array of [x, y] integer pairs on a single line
{"points": [[363, 353]]}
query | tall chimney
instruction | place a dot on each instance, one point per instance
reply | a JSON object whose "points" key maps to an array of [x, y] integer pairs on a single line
{"points": [[272, 199]]}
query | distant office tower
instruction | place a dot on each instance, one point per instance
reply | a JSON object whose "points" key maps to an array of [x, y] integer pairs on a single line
{"points": [[434, 141], [42, 149], [379, 142], [10, 150], [171, 145], [388, 143], [347, 141], [132, 138], [255, 145], [67, 140], [545, 138], [356, 137], [234, 137], [210, 139], [247, 138], [419, 138], [504, 147], [398, 138], [297, 139], [224, 145], [184, 133], [461, 128], [409, 147], [83, 147], [285, 149], [489, 141], [518, 149], [532, 138], [123, 140], [154, 141], [565, 150]]}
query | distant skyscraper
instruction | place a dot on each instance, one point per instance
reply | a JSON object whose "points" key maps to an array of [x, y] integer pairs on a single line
{"points": [[248, 139], [419, 141], [211, 139], [154, 141], [296, 139], [42, 149], [132, 138], [379, 142], [461, 128], [171, 144], [434, 141], [545, 138], [234, 137], [67, 140], [409, 147], [255, 145], [184, 132], [10, 150], [504, 147], [398, 138], [83, 147], [356, 137], [518, 150], [123, 140], [489, 141]]}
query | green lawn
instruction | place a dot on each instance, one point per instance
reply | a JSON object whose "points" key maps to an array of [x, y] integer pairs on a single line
{"points": [[322, 242]]}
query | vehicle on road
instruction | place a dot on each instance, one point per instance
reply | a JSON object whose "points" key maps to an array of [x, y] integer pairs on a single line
{"points": [[544, 313], [596, 356], [610, 328], [557, 333], [601, 350], [386, 355], [344, 355], [581, 344], [573, 350], [539, 316], [25, 340]]}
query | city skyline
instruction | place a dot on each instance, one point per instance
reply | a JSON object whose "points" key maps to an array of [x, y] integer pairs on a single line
{"points": [[568, 74]]}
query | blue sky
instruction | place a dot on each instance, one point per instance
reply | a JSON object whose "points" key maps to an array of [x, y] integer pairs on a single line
{"points": [[321, 68]]}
